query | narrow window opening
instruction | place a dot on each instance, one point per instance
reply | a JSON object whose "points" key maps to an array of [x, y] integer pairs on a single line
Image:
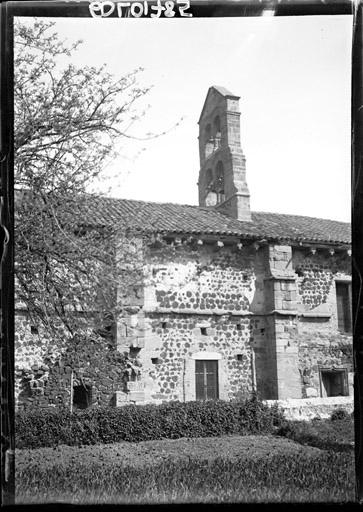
{"points": [[209, 177], [208, 141], [217, 126], [33, 329], [217, 132], [164, 325], [155, 360], [239, 357], [204, 331], [208, 132], [82, 396], [344, 310]]}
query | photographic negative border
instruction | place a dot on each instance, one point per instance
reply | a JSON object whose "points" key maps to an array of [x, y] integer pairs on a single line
{"points": [[198, 8]]}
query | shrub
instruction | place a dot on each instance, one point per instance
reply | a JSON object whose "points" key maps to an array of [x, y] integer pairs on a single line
{"points": [[172, 420], [339, 414]]}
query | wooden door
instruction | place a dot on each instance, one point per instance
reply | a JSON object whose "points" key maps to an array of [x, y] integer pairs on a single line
{"points": [[206, 380]]}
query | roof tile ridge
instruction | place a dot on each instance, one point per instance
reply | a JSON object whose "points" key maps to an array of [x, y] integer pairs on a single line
{"points": [[300, 216], [166, 203]]}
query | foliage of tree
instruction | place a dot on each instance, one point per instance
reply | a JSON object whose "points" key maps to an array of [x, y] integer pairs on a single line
{"points": [[67, 121]]}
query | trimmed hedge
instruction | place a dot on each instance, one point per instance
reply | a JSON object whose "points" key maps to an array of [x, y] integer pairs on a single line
{"points": [[172, 420]]}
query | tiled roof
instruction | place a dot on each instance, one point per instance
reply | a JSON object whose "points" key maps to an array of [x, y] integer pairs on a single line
{"points": [[177, 218]]}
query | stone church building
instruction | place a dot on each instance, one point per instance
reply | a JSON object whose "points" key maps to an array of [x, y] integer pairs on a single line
{"points": [[233, 301]]}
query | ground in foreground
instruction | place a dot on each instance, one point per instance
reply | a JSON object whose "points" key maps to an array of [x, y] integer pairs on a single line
{"points": [[219, 470]]}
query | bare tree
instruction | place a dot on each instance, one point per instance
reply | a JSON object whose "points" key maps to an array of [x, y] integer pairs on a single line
{"points": [[67, 121]]}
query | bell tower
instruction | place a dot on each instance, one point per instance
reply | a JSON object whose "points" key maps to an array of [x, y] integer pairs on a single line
{"points": [[222, 176]]}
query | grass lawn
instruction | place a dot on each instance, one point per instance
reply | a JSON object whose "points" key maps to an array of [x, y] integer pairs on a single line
{"points": [[254, 468]]}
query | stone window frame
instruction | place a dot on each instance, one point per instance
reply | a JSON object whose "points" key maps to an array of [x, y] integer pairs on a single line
{"points": [[189, 374], [348, 281], [331, 369]]}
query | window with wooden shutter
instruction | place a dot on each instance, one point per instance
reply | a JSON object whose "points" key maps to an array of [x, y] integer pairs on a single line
{"points": [[206, 379], [344, 307]]}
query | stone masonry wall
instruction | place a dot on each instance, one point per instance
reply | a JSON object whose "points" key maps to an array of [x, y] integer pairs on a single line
{"points": [[43, 367], [197, 305], [321, 345], [300, 334], [35, 354], [267, 314], [179, 337], [204, 279]]}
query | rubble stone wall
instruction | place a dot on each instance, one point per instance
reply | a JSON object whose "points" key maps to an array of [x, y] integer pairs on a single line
{"points": [[168, 360], [321, 344], [198, 302], [43, 367], [204, 279], [268, 315]]}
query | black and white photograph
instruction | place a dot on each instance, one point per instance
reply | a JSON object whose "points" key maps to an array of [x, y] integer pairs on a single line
{"points": [[182, 248]]}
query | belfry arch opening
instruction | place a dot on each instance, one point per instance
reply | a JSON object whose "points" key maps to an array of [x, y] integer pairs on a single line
{"points": [[210, 193], [217, 127], [208, 178], [219, 182], [209, 145]]}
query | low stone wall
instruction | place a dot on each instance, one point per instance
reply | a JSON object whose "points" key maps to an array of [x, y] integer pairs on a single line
{"points": [[307, 409]]}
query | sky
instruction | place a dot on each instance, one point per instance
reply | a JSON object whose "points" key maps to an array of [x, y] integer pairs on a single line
{"points": [[293, 76]]}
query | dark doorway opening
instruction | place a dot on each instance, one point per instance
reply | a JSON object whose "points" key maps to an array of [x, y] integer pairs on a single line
{"points": [[334, 382], [82, 396]]}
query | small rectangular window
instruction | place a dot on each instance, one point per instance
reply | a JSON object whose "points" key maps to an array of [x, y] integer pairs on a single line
{"points": [[334, 382], [344, 307]]}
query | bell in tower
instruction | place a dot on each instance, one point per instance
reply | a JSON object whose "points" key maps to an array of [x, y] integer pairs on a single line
{"points": [[222, 176]]}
